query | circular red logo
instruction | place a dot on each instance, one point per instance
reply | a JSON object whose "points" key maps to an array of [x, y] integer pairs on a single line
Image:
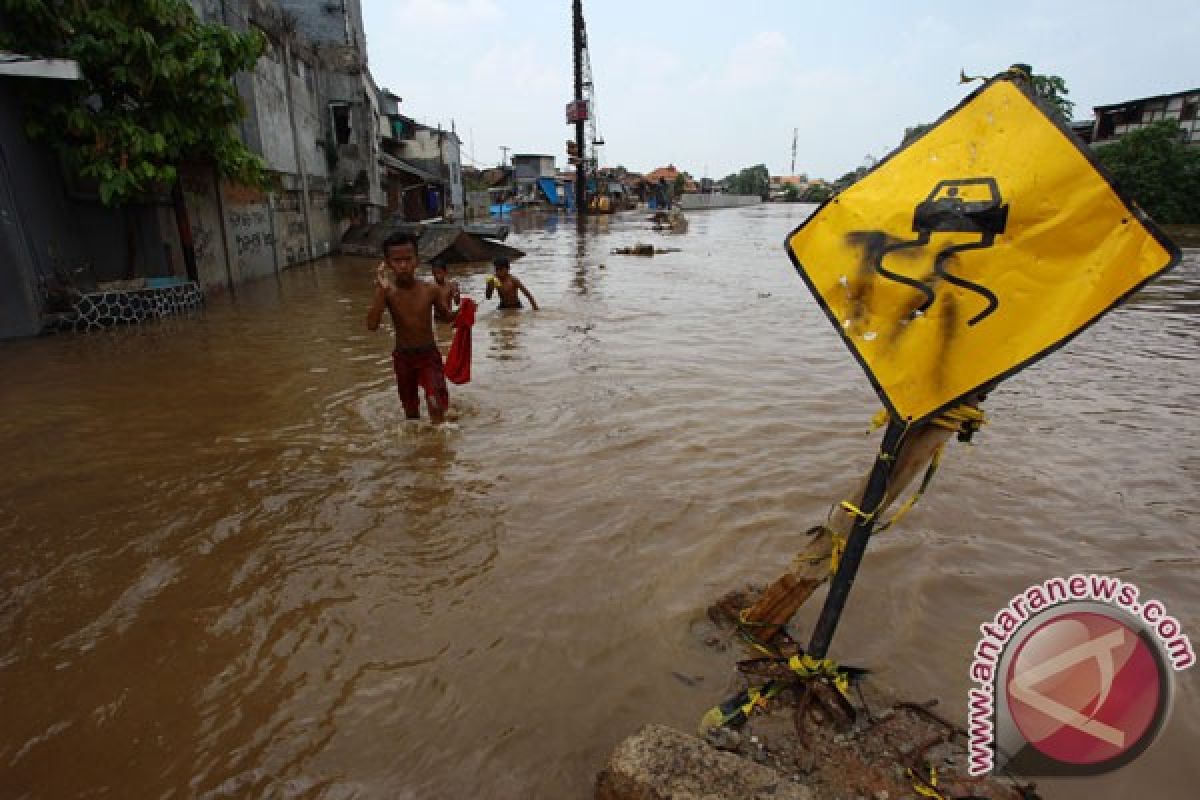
{"points": [[1084, 688]]}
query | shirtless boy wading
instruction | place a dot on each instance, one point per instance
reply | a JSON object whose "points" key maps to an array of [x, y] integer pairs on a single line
{"points": [[412, 304]]}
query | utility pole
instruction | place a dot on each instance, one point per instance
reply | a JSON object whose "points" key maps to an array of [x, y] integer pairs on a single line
{"points": [[795, 133], [581, 165], [504, 154]]}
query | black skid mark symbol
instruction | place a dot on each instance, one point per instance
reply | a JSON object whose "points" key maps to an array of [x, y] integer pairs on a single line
{"points": [[939, 266], [877, 245], [964, 205]]}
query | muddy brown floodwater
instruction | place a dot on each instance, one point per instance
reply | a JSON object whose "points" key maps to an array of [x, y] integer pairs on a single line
{"points": [[229, 571]]}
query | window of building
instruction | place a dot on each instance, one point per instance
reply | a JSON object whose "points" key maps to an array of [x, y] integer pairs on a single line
{"points": [[1190, 107], [340, 116]]}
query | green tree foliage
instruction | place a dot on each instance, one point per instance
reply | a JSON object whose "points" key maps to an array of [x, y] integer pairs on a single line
{"points": [[680, 183], [1053, 91], [851, 178], [1160, 172], [157, 90], [914, 132], [816, 193], [751, 180]]}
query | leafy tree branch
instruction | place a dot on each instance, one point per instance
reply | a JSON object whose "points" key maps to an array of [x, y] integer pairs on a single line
{"points": [[157, 90]]}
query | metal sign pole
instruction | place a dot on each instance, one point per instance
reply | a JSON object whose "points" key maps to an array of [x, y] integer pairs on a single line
{"points": [[856, 542], [580, 145]]}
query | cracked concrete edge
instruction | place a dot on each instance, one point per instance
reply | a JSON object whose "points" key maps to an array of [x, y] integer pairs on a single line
{"points": [[661, 763]]}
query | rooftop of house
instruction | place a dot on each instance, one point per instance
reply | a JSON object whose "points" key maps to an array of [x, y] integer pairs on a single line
{"points": [[789, 180], [1151, 98], [669, 173]]}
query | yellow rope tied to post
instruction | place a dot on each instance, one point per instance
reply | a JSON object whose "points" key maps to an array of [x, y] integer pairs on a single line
{"points": [[963, 419], [960, 419], [743, 625], [926, 788], [805, 666], [912, 501], [836, 548], [739, 708]]}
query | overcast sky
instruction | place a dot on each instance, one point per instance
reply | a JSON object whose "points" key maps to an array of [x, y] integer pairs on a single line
{"points": [[716, 86]]}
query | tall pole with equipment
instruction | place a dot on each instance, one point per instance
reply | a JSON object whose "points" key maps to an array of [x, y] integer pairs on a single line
{"points": [[578, 113]]}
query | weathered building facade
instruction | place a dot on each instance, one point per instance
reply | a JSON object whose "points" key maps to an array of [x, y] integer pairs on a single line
{"points": [[331, 140], [1117, 119], [528, 169], [349, 102], [238, 232], [421, 166]]}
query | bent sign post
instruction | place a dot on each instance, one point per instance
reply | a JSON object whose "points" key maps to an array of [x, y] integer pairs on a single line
{"points": [[965, 256]]}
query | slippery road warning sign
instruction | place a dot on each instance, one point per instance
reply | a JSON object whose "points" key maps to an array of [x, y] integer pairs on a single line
{"points": [[974, 251]]}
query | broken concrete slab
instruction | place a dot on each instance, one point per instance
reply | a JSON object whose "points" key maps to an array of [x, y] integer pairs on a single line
{"points": [[450, 243], [661, 763]]}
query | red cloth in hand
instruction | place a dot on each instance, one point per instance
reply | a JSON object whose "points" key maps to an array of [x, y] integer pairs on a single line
{"points": [[458, 360]]}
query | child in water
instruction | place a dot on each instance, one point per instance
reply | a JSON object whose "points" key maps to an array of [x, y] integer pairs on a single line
{"points": [[507, 285], [449, 289], [412, 304]]}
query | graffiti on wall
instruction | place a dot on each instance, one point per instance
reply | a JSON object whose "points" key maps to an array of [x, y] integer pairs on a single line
{"points": [[202, 241], [250, 239]]}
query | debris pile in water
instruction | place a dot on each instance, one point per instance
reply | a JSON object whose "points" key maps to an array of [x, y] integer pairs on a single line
{"points": [[867, 743], [643, 250]]}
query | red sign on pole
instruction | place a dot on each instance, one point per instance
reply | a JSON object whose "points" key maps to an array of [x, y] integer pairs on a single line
{"points": [[577, 111]]}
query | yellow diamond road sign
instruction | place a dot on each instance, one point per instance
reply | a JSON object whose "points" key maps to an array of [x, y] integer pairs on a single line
{"points": [[974, 251]]}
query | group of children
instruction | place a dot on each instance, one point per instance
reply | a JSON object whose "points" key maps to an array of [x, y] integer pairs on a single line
{"points": [[413, 305]]}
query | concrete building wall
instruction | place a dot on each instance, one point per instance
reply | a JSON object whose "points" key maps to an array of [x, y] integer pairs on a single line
{"points": [[358, 168], [439, 153], [271, 111], [249, 237], [291, 238], [311, 119], [325, 233], [423, 146], [20, 300], [39, 238], [532, 167], [335, 29], [321, 22], [204, 218], [137, 240], [370, 95], [453, 158]]}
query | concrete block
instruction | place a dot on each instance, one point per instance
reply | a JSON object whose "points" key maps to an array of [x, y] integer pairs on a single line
{"points": [[660, 763]]}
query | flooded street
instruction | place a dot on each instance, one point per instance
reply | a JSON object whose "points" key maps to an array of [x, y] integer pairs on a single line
{"points": [[231, 571]]}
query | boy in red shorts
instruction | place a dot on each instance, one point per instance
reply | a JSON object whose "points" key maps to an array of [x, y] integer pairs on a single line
{"points": [[412, 304]]}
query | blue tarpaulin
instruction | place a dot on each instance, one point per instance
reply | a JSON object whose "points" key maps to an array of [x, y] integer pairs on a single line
{"points": [[550, 189]]}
